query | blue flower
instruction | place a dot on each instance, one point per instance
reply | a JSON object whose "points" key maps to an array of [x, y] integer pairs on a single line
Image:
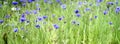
{"points": [[73, 22], [7, 16], [95, 17], [87, 9], [58, 1], [105, 12], [55, 26], [99, 1], [76, 11], [63, 6], [110, 3], [34, 11], [15, 29], [117, 10], [27, 12], [1, 21], [45, 1], [59, 18], [37, 26], [24, 4], [78, 15], [23, 15], [22, 19], [0, 5], [40, 18], [110, 23], [44, 17], [14, 3], [29, 1]]}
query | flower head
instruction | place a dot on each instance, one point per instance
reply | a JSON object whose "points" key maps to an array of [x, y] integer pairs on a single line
{"points": [[37, 26], [105, 12], [110, 23], [63, 6], [15, 29], [1, 21], [99, 1], [95, 17], [78, 15], [14, 3], [76, 11], [55, 26]]}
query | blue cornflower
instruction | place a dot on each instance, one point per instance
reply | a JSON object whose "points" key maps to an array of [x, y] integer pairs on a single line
{"points": [[117, 10], [15, 29], [105, 12], [24, 4], [87, 9], [34, 11], [1, 21], [95, 17], [22, 19], [27, 12], [23, 15], [14, 3], [7, 16], [63, 6], [76, 11], [60, 18], [58, 1], [37, 26], [110, 3], [0, 5], [29, 1], [99, 1], [45, 1], [73, 22], [55, 26], [40, 18], [44, 17], [78, 15], [110, 23]]}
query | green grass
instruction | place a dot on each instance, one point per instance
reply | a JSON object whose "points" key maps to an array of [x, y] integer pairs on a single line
{"points": [[97, 31]]}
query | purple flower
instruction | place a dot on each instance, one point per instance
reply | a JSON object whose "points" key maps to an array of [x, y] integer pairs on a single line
{"points": [[44, 17], [23, 15], [110, 3], [0, 5], [45, 1], [37, 26], [29, 1], [7, 16], [95, 17], [110, 23], [63, 6], [76, 11], [40, 18], [78, 15], [22, 19], [117, 10], [99, 1], [60, 18], [14, 3], [1, 21], [27, 12], [15, 29], [23, 4], [105, 12], [34, 11], [58, 1], [55, 26], [73, 22], [87, 9]]}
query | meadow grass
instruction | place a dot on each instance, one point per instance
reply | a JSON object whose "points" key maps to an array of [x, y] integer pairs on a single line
{"points": [[87, 30]]}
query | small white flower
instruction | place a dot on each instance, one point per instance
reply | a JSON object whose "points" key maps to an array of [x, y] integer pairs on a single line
{"points": [[13, 9]]}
